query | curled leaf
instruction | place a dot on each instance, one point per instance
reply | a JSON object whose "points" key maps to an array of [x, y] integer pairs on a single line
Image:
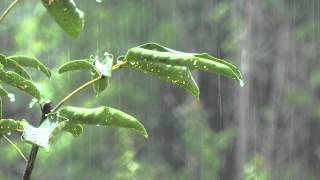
{"points": [[104, 116], [31, 62], [12, 65]]}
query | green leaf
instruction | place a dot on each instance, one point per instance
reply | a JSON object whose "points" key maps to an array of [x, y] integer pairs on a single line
{"points": [[66, 14], [0, 107], [154, 53], [75, 129], [105, 68], [12, 65], [75, 65], [104, 116], [179, 76], [3, 92], [19, 82], [101, 84], [11, 125], [31, 62]]}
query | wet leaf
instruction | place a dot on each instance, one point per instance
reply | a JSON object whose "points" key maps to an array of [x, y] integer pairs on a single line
{"points": [[105, 68], [31, 62], [66, 14], [19, 82], [101, 84], [154, 53], [75, 65], [104, 116], [41, 135], [3, 92], [11, 125], [177, 75], [75, 129], [12, 65]]}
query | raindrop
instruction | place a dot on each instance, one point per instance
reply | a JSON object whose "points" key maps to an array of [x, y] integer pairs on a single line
{"points": [[241, 83], [11, 97], [98, 125], [184, 68], [98, 1], [195, 63], [9, 133]]}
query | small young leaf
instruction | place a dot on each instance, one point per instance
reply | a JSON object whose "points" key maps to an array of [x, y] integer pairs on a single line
{"points": [[154, 53], [179, 76], [12, 65], [75, 129], [100, 85], [104, 116], [31, 62], [75, 65], [11, 125], [66, 14], [105, 68], [41, 135], [19, 82]]}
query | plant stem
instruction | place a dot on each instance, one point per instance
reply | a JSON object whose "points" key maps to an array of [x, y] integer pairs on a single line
{"points": [[34, 150], [114, 67], [15, 147], [6, 12]]}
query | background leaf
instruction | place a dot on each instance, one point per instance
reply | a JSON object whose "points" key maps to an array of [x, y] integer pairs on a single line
{"points": [[67, 15], [104, 116]]}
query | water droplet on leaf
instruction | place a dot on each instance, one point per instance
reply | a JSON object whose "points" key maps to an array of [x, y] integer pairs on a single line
{"points": [[11, 97]]}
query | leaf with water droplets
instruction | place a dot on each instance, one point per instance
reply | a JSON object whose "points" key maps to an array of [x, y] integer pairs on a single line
{"points": [[41, 135], [11, 125], [177, 75], [31, 62], [104, 116], [154, 53], [19, 82], [230, 70], [67, 15], [75, 129], [12, 65]]}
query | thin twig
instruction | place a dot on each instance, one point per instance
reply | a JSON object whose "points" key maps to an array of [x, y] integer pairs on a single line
{"points": [[34, 150], [6, 12], [15, 147], [114, 67]]}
